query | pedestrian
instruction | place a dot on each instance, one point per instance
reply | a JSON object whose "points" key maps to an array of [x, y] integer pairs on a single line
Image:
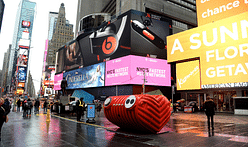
{"points": [[63, 85], [98, 107], [4, 111], [36, 106], [45, 106], [30, 106], [80, 106], [25, 108], [18, 105], [209, 107]]}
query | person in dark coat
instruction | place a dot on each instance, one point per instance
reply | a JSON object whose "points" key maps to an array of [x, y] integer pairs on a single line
{"points": [[18, 105], [30, 106], [80, 106], [4, 111], [25, 108], [36, 106], [209, 107], [45, 106], [63, 85]]}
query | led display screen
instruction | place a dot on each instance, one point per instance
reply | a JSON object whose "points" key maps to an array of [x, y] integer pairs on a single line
{"points": [[130, 70], [26, 24], [22, 74], [57, 81], [188, 75], [209, 11], [222, 48], [90, 76]]}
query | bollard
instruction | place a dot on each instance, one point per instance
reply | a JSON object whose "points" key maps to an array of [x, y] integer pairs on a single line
{"points": [[48, 119]]}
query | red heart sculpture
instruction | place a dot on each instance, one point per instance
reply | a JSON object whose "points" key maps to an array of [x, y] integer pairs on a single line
{"points": [[141, 112]]}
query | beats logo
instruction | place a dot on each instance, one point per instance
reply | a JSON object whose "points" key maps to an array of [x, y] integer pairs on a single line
{"points": [[109, 45]]}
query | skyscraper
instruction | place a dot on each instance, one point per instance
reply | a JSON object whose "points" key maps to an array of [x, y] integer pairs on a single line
{"points": [[21, 43]]}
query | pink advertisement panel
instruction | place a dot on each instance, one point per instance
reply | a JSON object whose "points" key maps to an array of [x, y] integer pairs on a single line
{"points": [[57, 81], [130, 70]]}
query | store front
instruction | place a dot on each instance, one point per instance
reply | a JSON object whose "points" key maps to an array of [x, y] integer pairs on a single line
{"points": [[224, 100]]}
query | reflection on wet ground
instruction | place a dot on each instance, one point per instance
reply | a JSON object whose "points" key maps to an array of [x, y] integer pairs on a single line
{"points": [[182, 130]]}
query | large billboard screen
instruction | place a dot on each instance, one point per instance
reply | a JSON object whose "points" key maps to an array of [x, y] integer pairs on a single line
{"points": [[222, 48], [26, 24], [90, 76], [69, 57], [130, 70], [209, 11], [57, 81], [22, 74], [22, 60], [133, 32]]}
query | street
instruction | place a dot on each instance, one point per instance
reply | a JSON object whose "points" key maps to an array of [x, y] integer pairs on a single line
{"points": [[183, 129]]}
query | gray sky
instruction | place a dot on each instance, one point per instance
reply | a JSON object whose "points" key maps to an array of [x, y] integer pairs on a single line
{"points": [[40, 30]]}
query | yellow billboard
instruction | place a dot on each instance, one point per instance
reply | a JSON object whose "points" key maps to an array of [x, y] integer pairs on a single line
{"points": [[222, 48], [209, 11], [188, 75]]}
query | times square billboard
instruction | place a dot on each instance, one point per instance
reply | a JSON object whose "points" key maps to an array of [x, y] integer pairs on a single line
{"points": [[132, 33]]}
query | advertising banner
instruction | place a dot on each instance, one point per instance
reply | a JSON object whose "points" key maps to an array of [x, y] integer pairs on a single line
{"points": [[69, 57], [22, 60], [130, 70], [209, 11], [26, 24], [222, 48], [57, 81], [21, 85], [22, 74], [90, 76], [188, 75], [24, 43]]}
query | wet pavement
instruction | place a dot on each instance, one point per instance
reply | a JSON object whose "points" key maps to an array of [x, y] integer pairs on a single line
{"points": [[183, 129]]}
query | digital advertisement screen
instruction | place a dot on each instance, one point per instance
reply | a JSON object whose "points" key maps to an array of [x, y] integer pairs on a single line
{"points": [[23, 60], [209, 11], [57, 81], [188, 75], [24, 43], [23, 51], [26, 24], [21, 84], [69, 57], [90, 76], [130, 70], [133, 32], [22, 74], [222, 48]]}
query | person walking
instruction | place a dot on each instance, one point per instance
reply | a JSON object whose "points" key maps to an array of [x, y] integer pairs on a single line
{"points": [[80, 106], [45, 106], [18, 105], [209, 107], [36, 106], [30, 106], [4, 111], [24, 107]]}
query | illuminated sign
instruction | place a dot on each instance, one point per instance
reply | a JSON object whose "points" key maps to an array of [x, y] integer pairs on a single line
{"points": [[188, 75], [26, 24], [47, 82], [90, 76], [57, 81], [212, 10], [22, 74], [20, 91], [221, 46], [24, 43], [21, 84], [130, 70]]}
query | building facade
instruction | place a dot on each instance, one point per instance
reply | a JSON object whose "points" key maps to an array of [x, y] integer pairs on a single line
{"points": [[5, 71], [23, 25]]}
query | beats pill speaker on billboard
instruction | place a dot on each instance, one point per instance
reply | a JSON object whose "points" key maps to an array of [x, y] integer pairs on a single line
{"points": [[147, 113]]}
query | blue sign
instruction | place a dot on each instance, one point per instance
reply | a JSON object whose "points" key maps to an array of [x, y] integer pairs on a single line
{"points": [[90, 76], [90, 110], [22, 74]]}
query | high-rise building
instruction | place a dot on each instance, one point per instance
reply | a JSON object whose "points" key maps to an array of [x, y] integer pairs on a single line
{"points": [[5, 71], [60, 32], [21, 44]]}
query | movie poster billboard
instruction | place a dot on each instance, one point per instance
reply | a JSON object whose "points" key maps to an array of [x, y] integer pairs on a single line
{"points": [[22, 74], [90, 76], [57, 81], [131, 69], [22, 60]]}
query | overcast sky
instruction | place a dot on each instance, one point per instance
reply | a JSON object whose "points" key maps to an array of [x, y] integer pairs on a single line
{"points": [[40, 30]]}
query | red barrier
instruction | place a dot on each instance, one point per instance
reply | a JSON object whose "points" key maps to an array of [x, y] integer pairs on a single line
{"points": [[141, 112]]}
